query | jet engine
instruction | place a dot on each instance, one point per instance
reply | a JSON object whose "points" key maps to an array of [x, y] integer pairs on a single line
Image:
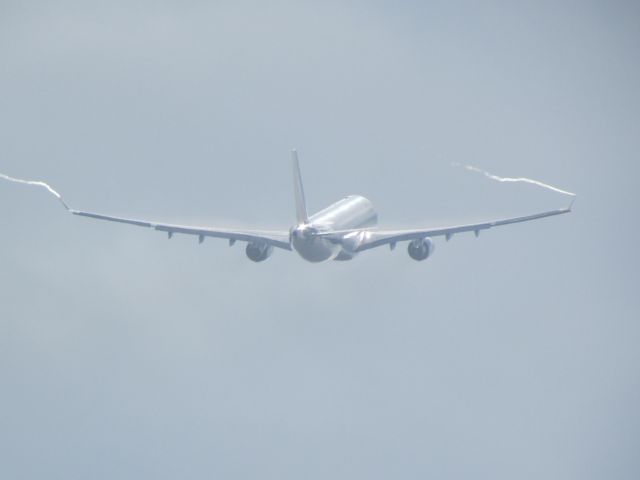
{"points": [[421, 249], [258, 252]]}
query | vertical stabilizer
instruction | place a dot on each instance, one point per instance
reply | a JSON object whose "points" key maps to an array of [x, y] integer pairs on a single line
{"points": [[301, 204]]}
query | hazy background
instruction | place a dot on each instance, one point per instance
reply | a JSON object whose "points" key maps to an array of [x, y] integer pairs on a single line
{"points": [[123, 355]]}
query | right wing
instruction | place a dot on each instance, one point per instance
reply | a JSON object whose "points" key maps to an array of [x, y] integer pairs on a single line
{"points": [[371, 238], [275, 239], [376, 238]]}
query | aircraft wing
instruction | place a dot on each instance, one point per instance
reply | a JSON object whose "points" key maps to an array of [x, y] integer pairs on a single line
{"points": [[275, 239], [376, 238]]}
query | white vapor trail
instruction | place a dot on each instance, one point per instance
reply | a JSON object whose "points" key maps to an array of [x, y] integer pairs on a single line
{"points": [[37, 184], [508, 179]]}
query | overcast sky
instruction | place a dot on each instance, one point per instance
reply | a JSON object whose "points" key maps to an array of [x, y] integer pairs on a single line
{"points": [[124, 355]]}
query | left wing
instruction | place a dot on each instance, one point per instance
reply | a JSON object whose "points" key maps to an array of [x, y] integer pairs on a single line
{"points": [[275, 239]]}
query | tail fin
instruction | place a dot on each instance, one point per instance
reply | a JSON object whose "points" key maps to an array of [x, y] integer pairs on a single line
{"points": [[301, 205]]}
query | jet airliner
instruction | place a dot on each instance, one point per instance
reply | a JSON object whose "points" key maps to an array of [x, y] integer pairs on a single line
{"points": [[338, 232]]}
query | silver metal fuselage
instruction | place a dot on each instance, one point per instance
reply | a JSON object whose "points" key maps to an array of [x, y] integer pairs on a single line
{"points": [[352, 212]]}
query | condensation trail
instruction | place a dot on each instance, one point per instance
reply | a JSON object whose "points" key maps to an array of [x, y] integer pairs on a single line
{"points": [[35, 183], [471, 168]]}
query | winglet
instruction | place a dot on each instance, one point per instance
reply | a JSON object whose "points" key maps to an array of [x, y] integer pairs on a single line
{"points": [[573, 200], [301, 205]]}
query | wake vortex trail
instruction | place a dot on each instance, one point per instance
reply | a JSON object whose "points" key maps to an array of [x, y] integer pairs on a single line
{"points": [[37, 184], [471, 168]]}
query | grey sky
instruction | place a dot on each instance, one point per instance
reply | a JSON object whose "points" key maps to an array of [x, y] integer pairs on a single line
{"points": [[123, 355]]}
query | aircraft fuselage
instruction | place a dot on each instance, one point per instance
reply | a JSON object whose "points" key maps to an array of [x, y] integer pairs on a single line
{"points": [[352, 212]]}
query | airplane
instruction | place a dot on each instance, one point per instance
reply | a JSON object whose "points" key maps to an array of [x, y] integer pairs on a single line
{"points": [[338, 232]]}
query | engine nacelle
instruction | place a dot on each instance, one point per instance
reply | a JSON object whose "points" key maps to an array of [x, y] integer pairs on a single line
{"points": [[258, 252], [421, 249]]}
